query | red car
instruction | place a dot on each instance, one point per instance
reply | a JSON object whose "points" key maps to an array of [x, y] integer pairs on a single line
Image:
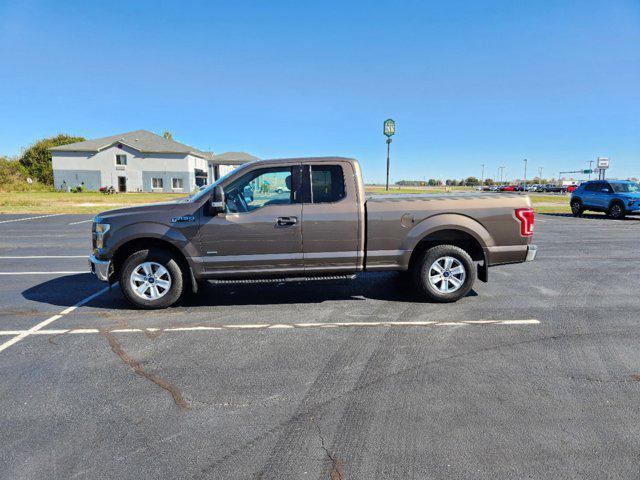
{"points": [[571, 188], [508, 188]]}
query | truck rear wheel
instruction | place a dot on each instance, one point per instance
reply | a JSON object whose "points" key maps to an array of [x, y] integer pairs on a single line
{"points": [[445, 273], [151, 279]]}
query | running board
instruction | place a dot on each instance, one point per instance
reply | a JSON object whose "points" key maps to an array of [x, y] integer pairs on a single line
{"points": [[280, 280]]}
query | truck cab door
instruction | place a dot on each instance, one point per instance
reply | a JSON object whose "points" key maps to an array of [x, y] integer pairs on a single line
{"points": [[331, 217], [260, 234]]}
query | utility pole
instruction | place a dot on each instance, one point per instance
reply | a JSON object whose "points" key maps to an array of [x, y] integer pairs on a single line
{"points": [[525, 172], [482, 176]]}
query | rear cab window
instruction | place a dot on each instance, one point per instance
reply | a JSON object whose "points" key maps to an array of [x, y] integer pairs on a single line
{"points": [[327, 183]]}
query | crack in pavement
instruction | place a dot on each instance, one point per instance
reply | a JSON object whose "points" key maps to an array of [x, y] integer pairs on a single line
{"points": [[336, 467], [139, 369]]}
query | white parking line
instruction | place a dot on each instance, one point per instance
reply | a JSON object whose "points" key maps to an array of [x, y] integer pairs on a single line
{"points": [[36, 328], [81, 221], [272, 326], [42, 256], [30, 218], [45, 273]]}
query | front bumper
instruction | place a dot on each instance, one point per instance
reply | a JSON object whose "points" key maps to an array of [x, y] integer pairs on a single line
{"points": [[532, 251], [100, 268]]}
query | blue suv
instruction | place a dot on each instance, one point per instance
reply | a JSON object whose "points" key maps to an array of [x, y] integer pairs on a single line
{"points": [[615, 197]]}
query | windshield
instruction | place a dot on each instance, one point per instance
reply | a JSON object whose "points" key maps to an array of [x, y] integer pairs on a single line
{"points": [[209, 188], [626, 187]]}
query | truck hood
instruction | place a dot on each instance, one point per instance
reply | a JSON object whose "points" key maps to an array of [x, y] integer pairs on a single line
{"points": [[146, 209]]}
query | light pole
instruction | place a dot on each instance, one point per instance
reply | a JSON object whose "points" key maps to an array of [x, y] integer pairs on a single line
{"points": [[540, 174], [482, 176], [590, 168], [501, 173], [525, 172]]}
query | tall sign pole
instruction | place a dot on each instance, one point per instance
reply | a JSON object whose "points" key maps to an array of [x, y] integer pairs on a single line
{"points": [[389, 130]]}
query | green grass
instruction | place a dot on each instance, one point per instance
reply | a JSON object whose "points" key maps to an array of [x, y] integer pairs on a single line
{"points": [[552, 209], [86, 202]]}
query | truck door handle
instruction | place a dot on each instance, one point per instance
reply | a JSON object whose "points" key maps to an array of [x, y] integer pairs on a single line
{"points": [[286, 221]]}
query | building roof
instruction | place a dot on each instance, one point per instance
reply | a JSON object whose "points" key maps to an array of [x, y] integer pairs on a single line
{"points": [[232, 158], [141, 140]]}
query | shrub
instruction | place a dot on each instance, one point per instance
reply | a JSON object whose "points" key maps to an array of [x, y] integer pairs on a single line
{"points": [[13, 178], [37, 158]]}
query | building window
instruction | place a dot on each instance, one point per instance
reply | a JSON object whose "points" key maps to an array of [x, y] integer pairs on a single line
{"points": [[177, 184], [157, 183], [121, 160]]}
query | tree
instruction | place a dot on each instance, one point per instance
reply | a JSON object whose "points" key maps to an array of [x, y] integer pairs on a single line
{"points": [[472, 181], [37, 158], [488, 181], [167, 135], [433, 182]]}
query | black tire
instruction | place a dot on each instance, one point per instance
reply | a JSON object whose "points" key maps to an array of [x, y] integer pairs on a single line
{"points": [[424, 264], [577, 208], [157, 256], [616, 211]]}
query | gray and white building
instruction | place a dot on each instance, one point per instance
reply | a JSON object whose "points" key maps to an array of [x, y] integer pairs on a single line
{"points": [[139, 161]]}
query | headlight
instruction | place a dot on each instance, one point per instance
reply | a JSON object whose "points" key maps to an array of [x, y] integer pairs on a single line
{"points": [[101, 230]]}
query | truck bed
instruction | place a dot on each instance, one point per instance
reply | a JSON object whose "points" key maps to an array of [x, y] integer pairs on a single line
{"points": [[394, 221]]}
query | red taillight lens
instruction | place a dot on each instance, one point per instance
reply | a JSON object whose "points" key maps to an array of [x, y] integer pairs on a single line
{"points": [[526, 218]]}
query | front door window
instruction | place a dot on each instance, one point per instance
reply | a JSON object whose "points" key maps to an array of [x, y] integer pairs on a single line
{"points": [[260, 188]]}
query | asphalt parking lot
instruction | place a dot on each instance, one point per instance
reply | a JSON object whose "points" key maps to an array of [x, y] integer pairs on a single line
{"points": [[533, 375]]}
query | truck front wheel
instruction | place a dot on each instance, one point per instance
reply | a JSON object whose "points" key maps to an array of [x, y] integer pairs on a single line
{"points": [[151, 279], [445, 273]]}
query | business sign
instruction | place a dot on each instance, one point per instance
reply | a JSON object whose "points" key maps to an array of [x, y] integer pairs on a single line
{"points": [[603, 163], [389, 127]]}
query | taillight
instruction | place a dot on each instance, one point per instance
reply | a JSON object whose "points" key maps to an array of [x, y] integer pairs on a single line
{"points": [[526, 218]]}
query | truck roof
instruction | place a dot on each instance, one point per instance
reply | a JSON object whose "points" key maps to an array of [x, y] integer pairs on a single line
{"points": [[305, 160]]}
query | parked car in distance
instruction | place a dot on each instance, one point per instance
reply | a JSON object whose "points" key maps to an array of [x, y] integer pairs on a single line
{"points": [[571, 188], [324, 228], [508, 188], [553, 188], [616, 198]]}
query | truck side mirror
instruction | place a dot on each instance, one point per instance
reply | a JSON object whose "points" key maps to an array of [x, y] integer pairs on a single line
{"points": [[218, 201]]}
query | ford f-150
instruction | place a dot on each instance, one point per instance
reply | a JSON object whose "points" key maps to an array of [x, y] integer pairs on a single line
{"points": [[307, 219]]}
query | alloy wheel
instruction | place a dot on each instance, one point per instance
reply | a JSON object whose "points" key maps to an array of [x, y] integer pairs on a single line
{"points": [[447, 274], [150, 281]]}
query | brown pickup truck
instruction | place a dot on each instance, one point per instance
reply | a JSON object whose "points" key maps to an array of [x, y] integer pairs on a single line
{"points": [[307, 219]]}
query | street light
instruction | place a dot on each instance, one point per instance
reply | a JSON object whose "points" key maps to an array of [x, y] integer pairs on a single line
{"points": [[482, 176], [525, 172], [389, 129]]}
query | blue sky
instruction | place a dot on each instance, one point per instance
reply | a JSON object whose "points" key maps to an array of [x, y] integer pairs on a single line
{"points": [[468, 82]]}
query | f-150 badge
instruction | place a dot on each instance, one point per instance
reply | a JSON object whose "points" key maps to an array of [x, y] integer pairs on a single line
{"points": [[185, 218]]}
